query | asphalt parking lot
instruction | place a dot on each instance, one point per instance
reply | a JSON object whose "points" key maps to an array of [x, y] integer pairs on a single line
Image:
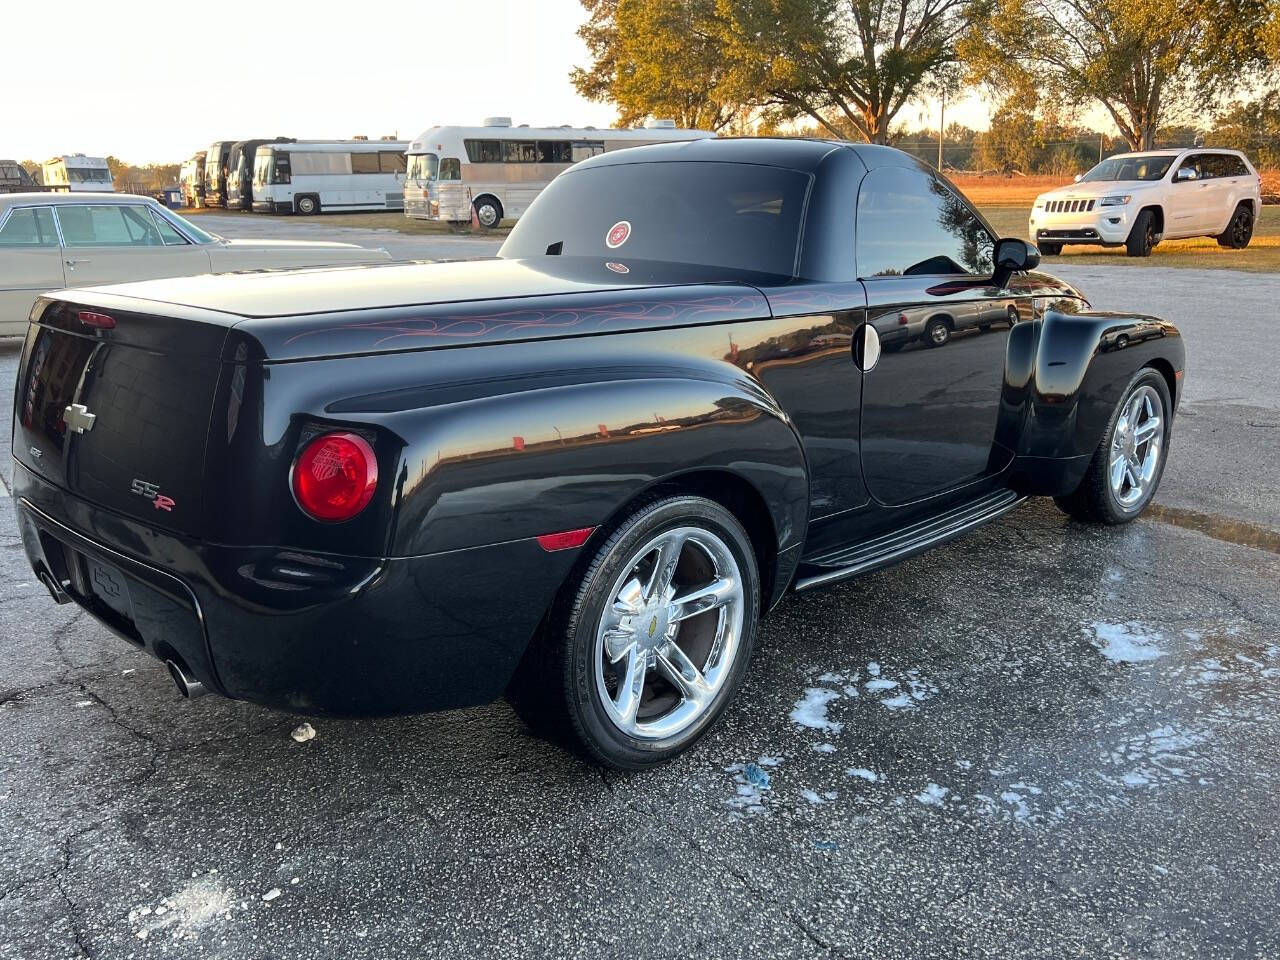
{"points": [[1044, 740]]}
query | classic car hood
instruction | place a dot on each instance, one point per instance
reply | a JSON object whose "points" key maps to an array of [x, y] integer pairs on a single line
{"points": [[284, 293]]}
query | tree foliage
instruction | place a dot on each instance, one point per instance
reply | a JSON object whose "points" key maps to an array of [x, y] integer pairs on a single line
{"points": [[849, 66], [1147, 62], [1253, 127], [657, 58]]}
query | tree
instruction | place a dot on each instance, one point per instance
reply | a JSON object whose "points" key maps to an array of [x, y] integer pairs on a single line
{"points": [[1252, 127], [1147, 62], [657, 58], [848, 65]]}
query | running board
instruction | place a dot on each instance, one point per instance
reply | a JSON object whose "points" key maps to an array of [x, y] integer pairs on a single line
{"points": [[892, 547]]}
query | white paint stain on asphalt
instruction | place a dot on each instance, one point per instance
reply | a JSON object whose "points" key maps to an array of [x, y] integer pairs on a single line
{"points": [[1130, 642]]}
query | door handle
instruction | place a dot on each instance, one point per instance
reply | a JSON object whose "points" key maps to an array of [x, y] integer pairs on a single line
{"points": [[72, 263]]}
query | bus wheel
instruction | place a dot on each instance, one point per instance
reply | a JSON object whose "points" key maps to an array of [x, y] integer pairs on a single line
{"points": [[488, 211], [306, 206]]}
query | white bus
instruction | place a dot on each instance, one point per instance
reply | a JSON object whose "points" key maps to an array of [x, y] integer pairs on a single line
{"points": [[313, 176], [75, 172], [497, 169]]}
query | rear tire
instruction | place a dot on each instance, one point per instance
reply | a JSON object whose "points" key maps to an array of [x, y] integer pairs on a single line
{"points": [[614, 632], [306, 206], [1048, 249], [937, 332], [1239, 230], [1142, 238], [1126, 453]]}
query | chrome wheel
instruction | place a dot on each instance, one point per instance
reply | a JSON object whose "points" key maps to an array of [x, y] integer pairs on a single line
{"points": [[668, 639], [487, 214], [1136, 446]]}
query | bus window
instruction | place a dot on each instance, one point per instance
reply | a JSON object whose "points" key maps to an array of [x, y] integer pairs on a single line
{"points": [[391, 162], [555, 151], [364, 163], [587, 148], [450, 169], [519, 151], [484, 151]]}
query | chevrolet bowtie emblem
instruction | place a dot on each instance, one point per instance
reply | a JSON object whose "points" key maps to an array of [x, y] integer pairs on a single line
{"points": [[78, 418]]}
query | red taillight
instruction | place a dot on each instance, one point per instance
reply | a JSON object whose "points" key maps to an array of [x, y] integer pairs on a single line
{"points": [[335, 476], [100, 320]]}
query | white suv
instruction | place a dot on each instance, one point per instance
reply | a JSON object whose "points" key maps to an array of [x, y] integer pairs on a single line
{"points": [[1139, 199]]}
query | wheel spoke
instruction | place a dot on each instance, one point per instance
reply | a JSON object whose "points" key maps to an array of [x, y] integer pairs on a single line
{"points": [[1118, 467], [1147, 429], [711, 597], [1131, 475], [664, 566], [617, 642], [631, 686], [676, 666]]}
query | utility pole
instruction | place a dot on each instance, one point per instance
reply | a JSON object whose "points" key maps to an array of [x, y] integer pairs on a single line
{"points": [[942, 121], [1100, 136]]}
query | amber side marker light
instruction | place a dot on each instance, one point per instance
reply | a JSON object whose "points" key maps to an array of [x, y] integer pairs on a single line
{"points": [[565, 539], [100, 320], [334, 477]]}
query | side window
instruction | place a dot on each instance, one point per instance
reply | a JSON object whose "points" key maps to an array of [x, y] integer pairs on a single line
{"points": [[168, 233], [519, 151], [910, 223], [484, 151], [29, 227], [389, 162], [1196, 162], [106, 226], [555, 151], [450, 169], [364, 163]]}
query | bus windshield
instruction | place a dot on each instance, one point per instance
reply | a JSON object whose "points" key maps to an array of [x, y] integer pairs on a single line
{"points": [[715, 214], [423, 166]]}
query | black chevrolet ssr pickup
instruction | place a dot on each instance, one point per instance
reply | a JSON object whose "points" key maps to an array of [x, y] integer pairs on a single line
{"points": [[695, 375]]}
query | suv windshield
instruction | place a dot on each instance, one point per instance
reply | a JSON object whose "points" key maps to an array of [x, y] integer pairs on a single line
{"points": [[717, 214], [1130, 168]]}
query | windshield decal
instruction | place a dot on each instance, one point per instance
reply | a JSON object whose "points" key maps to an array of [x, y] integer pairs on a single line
{"points": [[618, 234], [617, 267]]}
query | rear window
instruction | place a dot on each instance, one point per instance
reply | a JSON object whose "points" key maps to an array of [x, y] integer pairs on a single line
{"points": [[718, 214]]}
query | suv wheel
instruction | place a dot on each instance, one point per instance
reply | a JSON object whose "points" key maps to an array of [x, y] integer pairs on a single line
{"points": [[1142, 238], [1239, 231]]}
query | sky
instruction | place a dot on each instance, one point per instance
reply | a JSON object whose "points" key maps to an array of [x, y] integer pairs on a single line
{"points": [[125, 81]]}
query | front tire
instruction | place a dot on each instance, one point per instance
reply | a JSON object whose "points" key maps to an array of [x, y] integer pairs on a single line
{"points": [[651, 641], [488, 212], [1142, 238], [1127, 466], [1239, 230], [306, 206]]}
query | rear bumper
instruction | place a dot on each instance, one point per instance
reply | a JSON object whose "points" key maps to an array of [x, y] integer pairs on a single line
{"points": [[295, 630], [271, 206]]}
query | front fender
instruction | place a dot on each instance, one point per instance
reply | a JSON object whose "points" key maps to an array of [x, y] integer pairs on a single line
{"points": [[1068, 385]]}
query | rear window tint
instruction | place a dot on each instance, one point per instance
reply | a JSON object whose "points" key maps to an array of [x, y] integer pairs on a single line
{"points": [[738, 215]]}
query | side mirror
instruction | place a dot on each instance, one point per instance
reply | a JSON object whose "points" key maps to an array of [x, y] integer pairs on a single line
{"points": [[1185, 173], [1013, 256], [1076, 178]]}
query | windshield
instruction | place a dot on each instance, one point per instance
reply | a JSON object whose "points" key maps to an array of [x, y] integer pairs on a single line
{"points": [[736, 215], [194, 232], [1130, 168], [423, 166]]}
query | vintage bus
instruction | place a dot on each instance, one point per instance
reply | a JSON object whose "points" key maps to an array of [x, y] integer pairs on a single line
{"points": [[497, 169], [75, 172], [191, 179], [309, 177], [240, 171], [215, 172]]}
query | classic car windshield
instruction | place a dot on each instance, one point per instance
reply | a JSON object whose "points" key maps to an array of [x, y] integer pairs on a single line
{"points": [[1130, 168], [739, 215]]}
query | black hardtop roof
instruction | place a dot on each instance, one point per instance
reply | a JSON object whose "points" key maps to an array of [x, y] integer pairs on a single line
{"points": [[795, 153]]}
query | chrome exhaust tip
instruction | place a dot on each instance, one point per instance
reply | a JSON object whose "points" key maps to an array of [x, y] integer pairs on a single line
{"points": [[189, 687]]}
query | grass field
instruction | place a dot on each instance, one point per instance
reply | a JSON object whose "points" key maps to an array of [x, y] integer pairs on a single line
{"points": [[1261, 256]]}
